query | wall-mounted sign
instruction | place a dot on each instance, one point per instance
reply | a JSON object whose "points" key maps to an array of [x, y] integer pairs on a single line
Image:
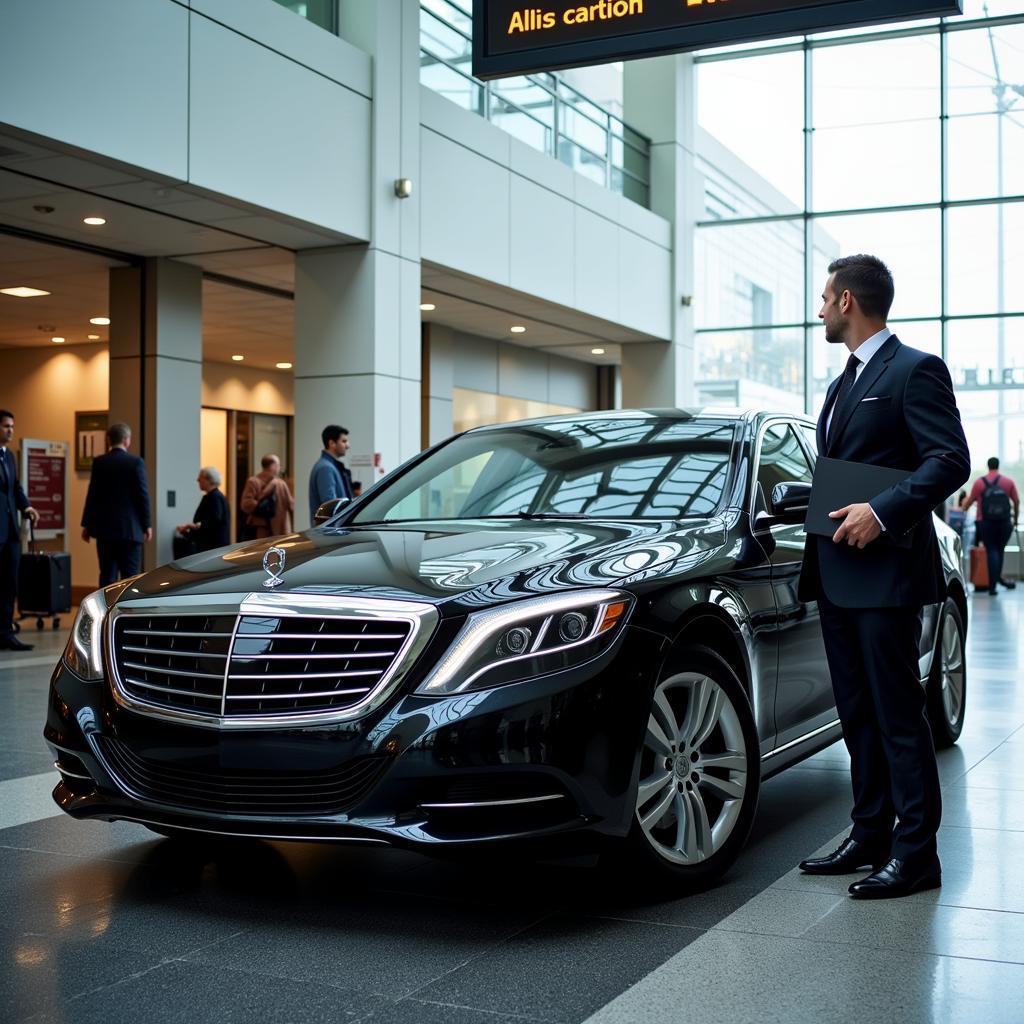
{"points": [[90, 437], [44, 476], [512, 37]]}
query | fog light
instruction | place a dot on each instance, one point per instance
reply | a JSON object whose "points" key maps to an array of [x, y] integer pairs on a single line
{"points": [[572, 626], [515, 641]]}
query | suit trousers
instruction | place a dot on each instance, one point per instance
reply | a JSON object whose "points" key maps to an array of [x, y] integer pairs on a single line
{"points": [[10, 556], [873, 658], [119, 559]]}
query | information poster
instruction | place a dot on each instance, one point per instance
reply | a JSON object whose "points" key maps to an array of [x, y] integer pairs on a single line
{"points": [[44, 477]]}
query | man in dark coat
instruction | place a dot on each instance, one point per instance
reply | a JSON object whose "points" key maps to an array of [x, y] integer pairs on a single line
{"points": [[893, 406], [116, 510], [12, 501]]}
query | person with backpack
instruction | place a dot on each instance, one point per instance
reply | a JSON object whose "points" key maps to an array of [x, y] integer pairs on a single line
{"points": [[266, 502], [998, 510]]}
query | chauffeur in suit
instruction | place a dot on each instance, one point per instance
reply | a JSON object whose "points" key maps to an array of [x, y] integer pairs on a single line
{"points": [[12, 501], [116, 510], [893, 406]]}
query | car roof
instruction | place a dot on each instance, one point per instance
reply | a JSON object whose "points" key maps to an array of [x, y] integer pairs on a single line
{"points": [[714, 413]]}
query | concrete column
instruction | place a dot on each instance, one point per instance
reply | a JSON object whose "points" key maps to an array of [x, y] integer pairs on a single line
{"points": [[156, 367], [438, 382], [660, 102], [357, 316]]}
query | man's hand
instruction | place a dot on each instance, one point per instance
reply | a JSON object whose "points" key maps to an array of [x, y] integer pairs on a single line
{"points": [[32, 514], [85, 535], [148, 534], [859, 526]]}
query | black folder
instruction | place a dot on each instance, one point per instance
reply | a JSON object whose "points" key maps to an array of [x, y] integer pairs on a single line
{"points": [[838, 484]]}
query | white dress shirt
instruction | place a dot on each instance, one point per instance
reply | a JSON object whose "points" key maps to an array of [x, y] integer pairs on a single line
{"points": [[864, 353]]}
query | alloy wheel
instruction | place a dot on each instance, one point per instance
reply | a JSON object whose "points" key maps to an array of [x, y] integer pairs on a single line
{"points": [[693, 769], [952, 670]]}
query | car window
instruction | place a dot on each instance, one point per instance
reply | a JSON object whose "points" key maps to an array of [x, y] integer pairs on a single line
{"points": [[622, 467], [811, 437], [782, 458]]}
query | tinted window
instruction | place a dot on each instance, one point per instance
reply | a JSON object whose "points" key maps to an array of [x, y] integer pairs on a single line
{"points": [[619, 467], [781, 459]]}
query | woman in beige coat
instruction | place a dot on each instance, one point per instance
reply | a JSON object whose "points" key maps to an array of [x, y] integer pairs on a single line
{"points": [[268, 481]]}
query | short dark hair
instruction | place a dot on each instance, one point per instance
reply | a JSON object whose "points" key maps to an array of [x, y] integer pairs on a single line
{"points": [[993, 463], [118, 433], [868, 279], [6, 414], [332, 433]]}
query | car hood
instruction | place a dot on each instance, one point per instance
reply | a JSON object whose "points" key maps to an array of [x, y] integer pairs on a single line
{"points": [[472, 564]]}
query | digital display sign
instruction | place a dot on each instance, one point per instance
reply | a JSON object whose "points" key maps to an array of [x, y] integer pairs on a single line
{"points": [[512, 37]]}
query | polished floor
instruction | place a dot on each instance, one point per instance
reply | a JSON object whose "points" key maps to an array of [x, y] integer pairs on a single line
{"points": [[109, 923]]}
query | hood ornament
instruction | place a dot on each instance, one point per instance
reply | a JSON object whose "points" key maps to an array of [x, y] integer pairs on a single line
{"points": [[273, 564]]}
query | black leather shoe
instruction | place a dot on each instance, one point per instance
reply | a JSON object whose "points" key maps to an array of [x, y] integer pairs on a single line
{"points": [[12, 643], [1008, 584], [850, 856], [897, 878]]}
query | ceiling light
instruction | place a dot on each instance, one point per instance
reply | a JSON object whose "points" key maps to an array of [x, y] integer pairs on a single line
{"points": [[94, 221], [597, 351], [93, 337], [21, 292], [99, 321], [517, 329], [284, 366], [58, 341], [237, 359], [427, 306]]}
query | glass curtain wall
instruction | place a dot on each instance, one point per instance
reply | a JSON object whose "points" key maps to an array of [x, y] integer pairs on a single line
{"points": [[907, 143]]}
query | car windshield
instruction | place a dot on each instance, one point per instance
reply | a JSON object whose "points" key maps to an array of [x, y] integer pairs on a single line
{"points": [[645, 466]]}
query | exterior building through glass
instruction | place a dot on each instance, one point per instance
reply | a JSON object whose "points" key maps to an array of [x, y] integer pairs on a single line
{"points": [[907, 143]]}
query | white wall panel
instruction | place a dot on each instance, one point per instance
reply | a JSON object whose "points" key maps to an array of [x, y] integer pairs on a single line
{"points": [[596, 266], [523, 373], [266, 130], [571, 382], [107, 76], [542, 250], [476, 364], [645, 283], [465, 209]]}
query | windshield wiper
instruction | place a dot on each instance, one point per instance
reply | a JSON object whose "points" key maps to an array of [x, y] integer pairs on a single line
{"points": [[535, 515]]}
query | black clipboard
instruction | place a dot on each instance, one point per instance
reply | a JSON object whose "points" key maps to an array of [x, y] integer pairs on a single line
{"points": [[837, 484]]}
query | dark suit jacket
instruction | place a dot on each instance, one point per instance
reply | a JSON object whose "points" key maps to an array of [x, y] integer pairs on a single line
{"points": [[117, 503], [12, 499], [912, 423], [214, 521]]}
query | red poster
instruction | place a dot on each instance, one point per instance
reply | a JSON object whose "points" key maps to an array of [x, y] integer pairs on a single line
{"points": [[45, 491]]}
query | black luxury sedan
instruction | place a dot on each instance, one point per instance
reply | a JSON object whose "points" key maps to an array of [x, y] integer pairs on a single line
{"points": [[581, 631]]}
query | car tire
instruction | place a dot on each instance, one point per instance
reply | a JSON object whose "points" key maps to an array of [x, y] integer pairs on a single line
{"points": [[697, 791], [947, 681]]}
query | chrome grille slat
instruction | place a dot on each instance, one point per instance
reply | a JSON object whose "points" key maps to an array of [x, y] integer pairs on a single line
{"points": [[285, 646]]}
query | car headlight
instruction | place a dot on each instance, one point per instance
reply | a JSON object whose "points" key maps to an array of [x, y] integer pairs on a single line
{"points": [[529, 638], [84, 651]]}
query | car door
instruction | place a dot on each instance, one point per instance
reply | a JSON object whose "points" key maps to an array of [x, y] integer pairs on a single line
{"points": [[803, 695]]}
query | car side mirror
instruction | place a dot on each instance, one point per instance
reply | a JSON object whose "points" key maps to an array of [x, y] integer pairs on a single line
{"points": [[329, 509], [790, 500]]}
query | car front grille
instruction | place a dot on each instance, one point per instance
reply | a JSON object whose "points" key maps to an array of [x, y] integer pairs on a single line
{"points": [[332, 791], [255, 666]]}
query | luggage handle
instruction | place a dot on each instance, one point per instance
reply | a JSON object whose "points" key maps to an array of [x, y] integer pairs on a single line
{"points": [[31, 536]]}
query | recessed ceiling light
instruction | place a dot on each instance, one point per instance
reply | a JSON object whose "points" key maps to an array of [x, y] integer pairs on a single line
{"points": [[21, 292], [597, 351], [517, 329], [93, 337], [427, 306], [237, 359], [58, 341], [99, 321], [94, 221], [284, 366]]}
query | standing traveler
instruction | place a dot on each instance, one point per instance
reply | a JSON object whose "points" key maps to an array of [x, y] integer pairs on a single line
{"points": [[267, 502], [210, 526], [997, 514], [116, 512], [12, 501], [329, 478], [893, 406]]}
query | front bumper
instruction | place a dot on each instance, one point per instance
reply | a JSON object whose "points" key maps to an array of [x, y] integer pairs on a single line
{"points": [[545, 759]]}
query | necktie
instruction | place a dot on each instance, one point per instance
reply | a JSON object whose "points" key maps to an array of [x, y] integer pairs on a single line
{"points": [[845, 387]]}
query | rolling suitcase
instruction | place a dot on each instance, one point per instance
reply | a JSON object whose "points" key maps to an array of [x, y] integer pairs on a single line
{"points": [[44, 583], [979, 567]]}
